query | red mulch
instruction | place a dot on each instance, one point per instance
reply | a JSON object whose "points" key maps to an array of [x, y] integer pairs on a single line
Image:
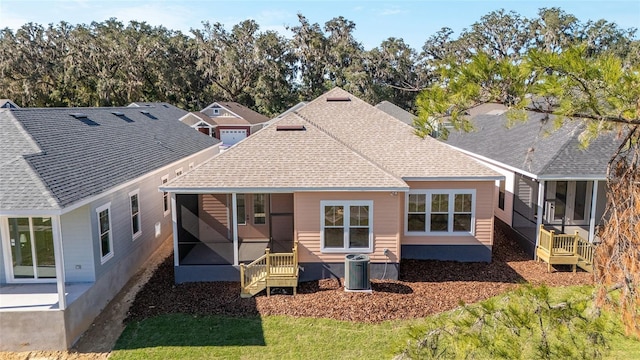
{"points": [[424, 288]]}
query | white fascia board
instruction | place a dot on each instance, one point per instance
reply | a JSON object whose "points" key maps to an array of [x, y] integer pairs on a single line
{"points": [[224, 107], [203, 190], [495, 162], [458, 178], [572, 177]]}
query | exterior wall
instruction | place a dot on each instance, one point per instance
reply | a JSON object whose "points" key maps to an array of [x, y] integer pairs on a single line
{"points": [[601, 203], [33, 330], [386, 228], [214, 215], [79, 256], [476, 247]]}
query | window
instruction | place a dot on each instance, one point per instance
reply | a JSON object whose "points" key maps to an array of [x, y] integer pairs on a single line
{"points": [[440, 212], [259, 215], [104, 232], [240, 209], [179, 172], [346, 226], [134, 206], [165, 197], [501, 195], [216, 111]]}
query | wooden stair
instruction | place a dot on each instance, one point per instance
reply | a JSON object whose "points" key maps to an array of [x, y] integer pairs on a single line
{"points": [[269, 270], [563, 249]]}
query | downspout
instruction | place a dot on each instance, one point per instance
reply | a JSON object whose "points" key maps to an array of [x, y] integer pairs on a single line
{"points": [[592, 219], [540, 213], [59, 258]]}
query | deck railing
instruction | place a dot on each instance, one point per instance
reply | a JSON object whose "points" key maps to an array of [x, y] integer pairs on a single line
{"points": [[270, 266], [557, 245]]}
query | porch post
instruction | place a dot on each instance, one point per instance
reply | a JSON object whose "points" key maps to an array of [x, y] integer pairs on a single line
{"points": [[174, 225], [234, 221], [540, 212], [592, 218], [59, 259]]}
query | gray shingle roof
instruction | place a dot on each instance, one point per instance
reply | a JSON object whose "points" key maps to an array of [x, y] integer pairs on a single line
{"points": [[76, 158], [397, 112], [536, 147]]}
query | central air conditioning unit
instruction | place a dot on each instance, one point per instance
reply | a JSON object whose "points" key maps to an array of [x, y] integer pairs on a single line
{"points": [[357, 273]]}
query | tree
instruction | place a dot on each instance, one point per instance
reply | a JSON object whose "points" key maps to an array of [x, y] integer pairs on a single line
{"points": [[601, 91]]}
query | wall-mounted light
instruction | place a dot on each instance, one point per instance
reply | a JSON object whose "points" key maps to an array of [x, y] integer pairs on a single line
{"points": [[394, 193]]}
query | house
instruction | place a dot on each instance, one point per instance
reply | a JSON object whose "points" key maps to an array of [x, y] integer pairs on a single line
{"points": [[397, 112], [8, 104], [550, 180], [228, 121], [80, 211], [334, 177]]}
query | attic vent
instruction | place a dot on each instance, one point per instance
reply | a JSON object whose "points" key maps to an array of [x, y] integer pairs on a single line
{"points": [[148, 114], [117, 113], [83, 118], [338, 99], [290, 128], [79, 115], [145, 112]]}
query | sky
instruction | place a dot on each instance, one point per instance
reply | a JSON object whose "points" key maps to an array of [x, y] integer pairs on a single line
{"points": [[414, 21]]}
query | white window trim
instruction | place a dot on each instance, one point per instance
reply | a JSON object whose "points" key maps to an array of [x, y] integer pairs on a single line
{"points": [[179, 171], [135, 235], [428, 193], [104, 259], [165, 196], [346, 204]]}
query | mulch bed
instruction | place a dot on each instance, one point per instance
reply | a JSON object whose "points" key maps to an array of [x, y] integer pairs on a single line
{"points": [[424, 288]]}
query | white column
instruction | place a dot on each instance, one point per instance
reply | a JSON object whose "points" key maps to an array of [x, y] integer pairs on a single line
{"points": [[174, 224], [592, 218], [540, 212], [234, 222], [59, 259]]}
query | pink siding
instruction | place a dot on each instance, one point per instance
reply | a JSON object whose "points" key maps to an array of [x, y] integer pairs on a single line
{"points": [[386, 228], [484, 203], [213, 212]]}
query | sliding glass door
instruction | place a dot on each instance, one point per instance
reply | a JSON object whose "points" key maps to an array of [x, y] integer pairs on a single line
{"points": [[31, 242]]}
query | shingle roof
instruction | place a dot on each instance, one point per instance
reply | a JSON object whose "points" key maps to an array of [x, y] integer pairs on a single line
{"points": [[346, 145], [251, 116], [78, 157], [397, 112], [535, 147], [287, 160]]}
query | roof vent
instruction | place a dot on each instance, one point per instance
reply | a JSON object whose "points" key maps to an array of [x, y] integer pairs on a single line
{"points": [[338, 99], [122, 116], [145, 112], [83, 118], [165, 105], [117, 113], [290, 128], [148, 114], [79, 115]]}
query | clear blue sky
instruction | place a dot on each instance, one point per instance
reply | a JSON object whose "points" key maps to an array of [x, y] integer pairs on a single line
{"points": [[414, 21]]}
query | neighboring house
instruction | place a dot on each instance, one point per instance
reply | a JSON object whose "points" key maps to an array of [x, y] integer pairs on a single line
{"points": [[228, 121], [336, 176], [8, 104], [397, 112], [80, 211], [549, 179]]}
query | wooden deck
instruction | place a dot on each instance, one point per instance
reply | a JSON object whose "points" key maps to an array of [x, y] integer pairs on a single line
{"points": [[269, 270], [564, 249]]}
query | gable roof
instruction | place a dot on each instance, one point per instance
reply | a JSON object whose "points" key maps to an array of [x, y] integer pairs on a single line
{"points": [[242, 111], [196, 117], [345, 145], [76, 157], [535, 147], [8, 104], [397, 112]]}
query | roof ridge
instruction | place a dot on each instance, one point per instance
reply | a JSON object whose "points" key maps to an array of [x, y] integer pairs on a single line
{"points": [[356, 151], [573, 133]]}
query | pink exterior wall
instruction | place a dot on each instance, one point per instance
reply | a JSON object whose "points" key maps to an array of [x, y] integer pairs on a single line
{"points": [[386, 228], [484, 205]]}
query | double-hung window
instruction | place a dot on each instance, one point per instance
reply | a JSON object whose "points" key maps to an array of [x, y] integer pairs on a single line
{"points": [[104, 232], [440, 212], [134, 207], [346, 226], [259, 214]]}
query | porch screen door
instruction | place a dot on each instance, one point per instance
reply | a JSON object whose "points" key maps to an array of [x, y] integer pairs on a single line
{"points": [[572, 201], [31, 242]]}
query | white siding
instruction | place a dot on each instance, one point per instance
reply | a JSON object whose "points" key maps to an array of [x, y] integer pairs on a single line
{"points": [[78, 252]]}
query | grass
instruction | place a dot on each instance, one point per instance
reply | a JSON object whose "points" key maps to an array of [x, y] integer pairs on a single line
{"points": [[180, 336]]}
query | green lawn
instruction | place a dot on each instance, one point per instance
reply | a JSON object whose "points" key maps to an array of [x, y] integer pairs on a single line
{"points": [[180, 336]]}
